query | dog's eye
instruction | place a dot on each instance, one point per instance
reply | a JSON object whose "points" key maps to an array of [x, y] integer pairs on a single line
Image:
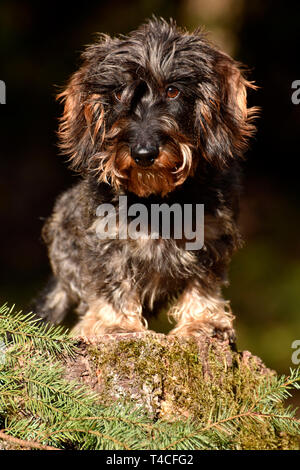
{"points": [[118, 94], [172, 92]]}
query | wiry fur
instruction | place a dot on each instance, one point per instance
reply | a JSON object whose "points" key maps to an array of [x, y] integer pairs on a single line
{"points": [[113, 103]]}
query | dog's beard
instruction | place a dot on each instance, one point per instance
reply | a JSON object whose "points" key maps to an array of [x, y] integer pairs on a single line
{"points": [[116, 167]]}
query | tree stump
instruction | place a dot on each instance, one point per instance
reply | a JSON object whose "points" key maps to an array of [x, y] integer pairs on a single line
{"points": [[203, 381], [174, 378], [171, 377]]}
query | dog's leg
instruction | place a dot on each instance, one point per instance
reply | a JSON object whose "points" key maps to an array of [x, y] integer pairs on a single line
{"points": [[53, 304], [199, 313], [104, 317]]}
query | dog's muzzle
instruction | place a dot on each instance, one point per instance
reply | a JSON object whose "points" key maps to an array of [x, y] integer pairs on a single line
{"points": [[144, 155]]}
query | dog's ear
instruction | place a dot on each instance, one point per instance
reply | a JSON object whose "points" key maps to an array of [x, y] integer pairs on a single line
{"points": [[223, 119], [81, 127]]}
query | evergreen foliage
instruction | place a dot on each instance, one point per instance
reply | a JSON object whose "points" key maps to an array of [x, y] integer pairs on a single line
{"points": [[39, 408]]}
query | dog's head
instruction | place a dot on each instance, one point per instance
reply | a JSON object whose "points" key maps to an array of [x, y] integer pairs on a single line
{"points": [[144, 109]]}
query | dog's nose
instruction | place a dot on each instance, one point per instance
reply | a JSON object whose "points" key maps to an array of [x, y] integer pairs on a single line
{"points": [[144, 155]]}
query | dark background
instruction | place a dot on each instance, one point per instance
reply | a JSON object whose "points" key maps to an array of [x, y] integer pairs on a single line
{"points": [[40, 46]]}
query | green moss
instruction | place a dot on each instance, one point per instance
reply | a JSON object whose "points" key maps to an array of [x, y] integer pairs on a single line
{"points": [[173, 379]]}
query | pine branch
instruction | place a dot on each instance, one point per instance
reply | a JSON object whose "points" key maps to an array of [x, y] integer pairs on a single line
{"points": [[24, 329], [86, 431], [26, 444]]}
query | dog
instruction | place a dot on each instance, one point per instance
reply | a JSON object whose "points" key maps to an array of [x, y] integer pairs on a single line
{"points": [[157, 116]]}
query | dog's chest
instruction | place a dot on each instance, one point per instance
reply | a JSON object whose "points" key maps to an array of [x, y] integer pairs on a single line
{"points": [[159, 260]]}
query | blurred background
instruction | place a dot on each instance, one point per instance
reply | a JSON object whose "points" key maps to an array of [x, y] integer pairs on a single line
{"points": [[40, 46]]}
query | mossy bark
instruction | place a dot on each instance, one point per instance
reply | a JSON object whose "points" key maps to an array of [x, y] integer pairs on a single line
{"points": [[174, 378]]}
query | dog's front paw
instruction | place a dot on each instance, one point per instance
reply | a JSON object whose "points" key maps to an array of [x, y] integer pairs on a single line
{"points": [[205, 329]]}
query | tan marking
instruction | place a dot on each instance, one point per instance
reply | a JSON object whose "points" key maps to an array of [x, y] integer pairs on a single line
{"points": [[197, 311], [102, 318]]}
